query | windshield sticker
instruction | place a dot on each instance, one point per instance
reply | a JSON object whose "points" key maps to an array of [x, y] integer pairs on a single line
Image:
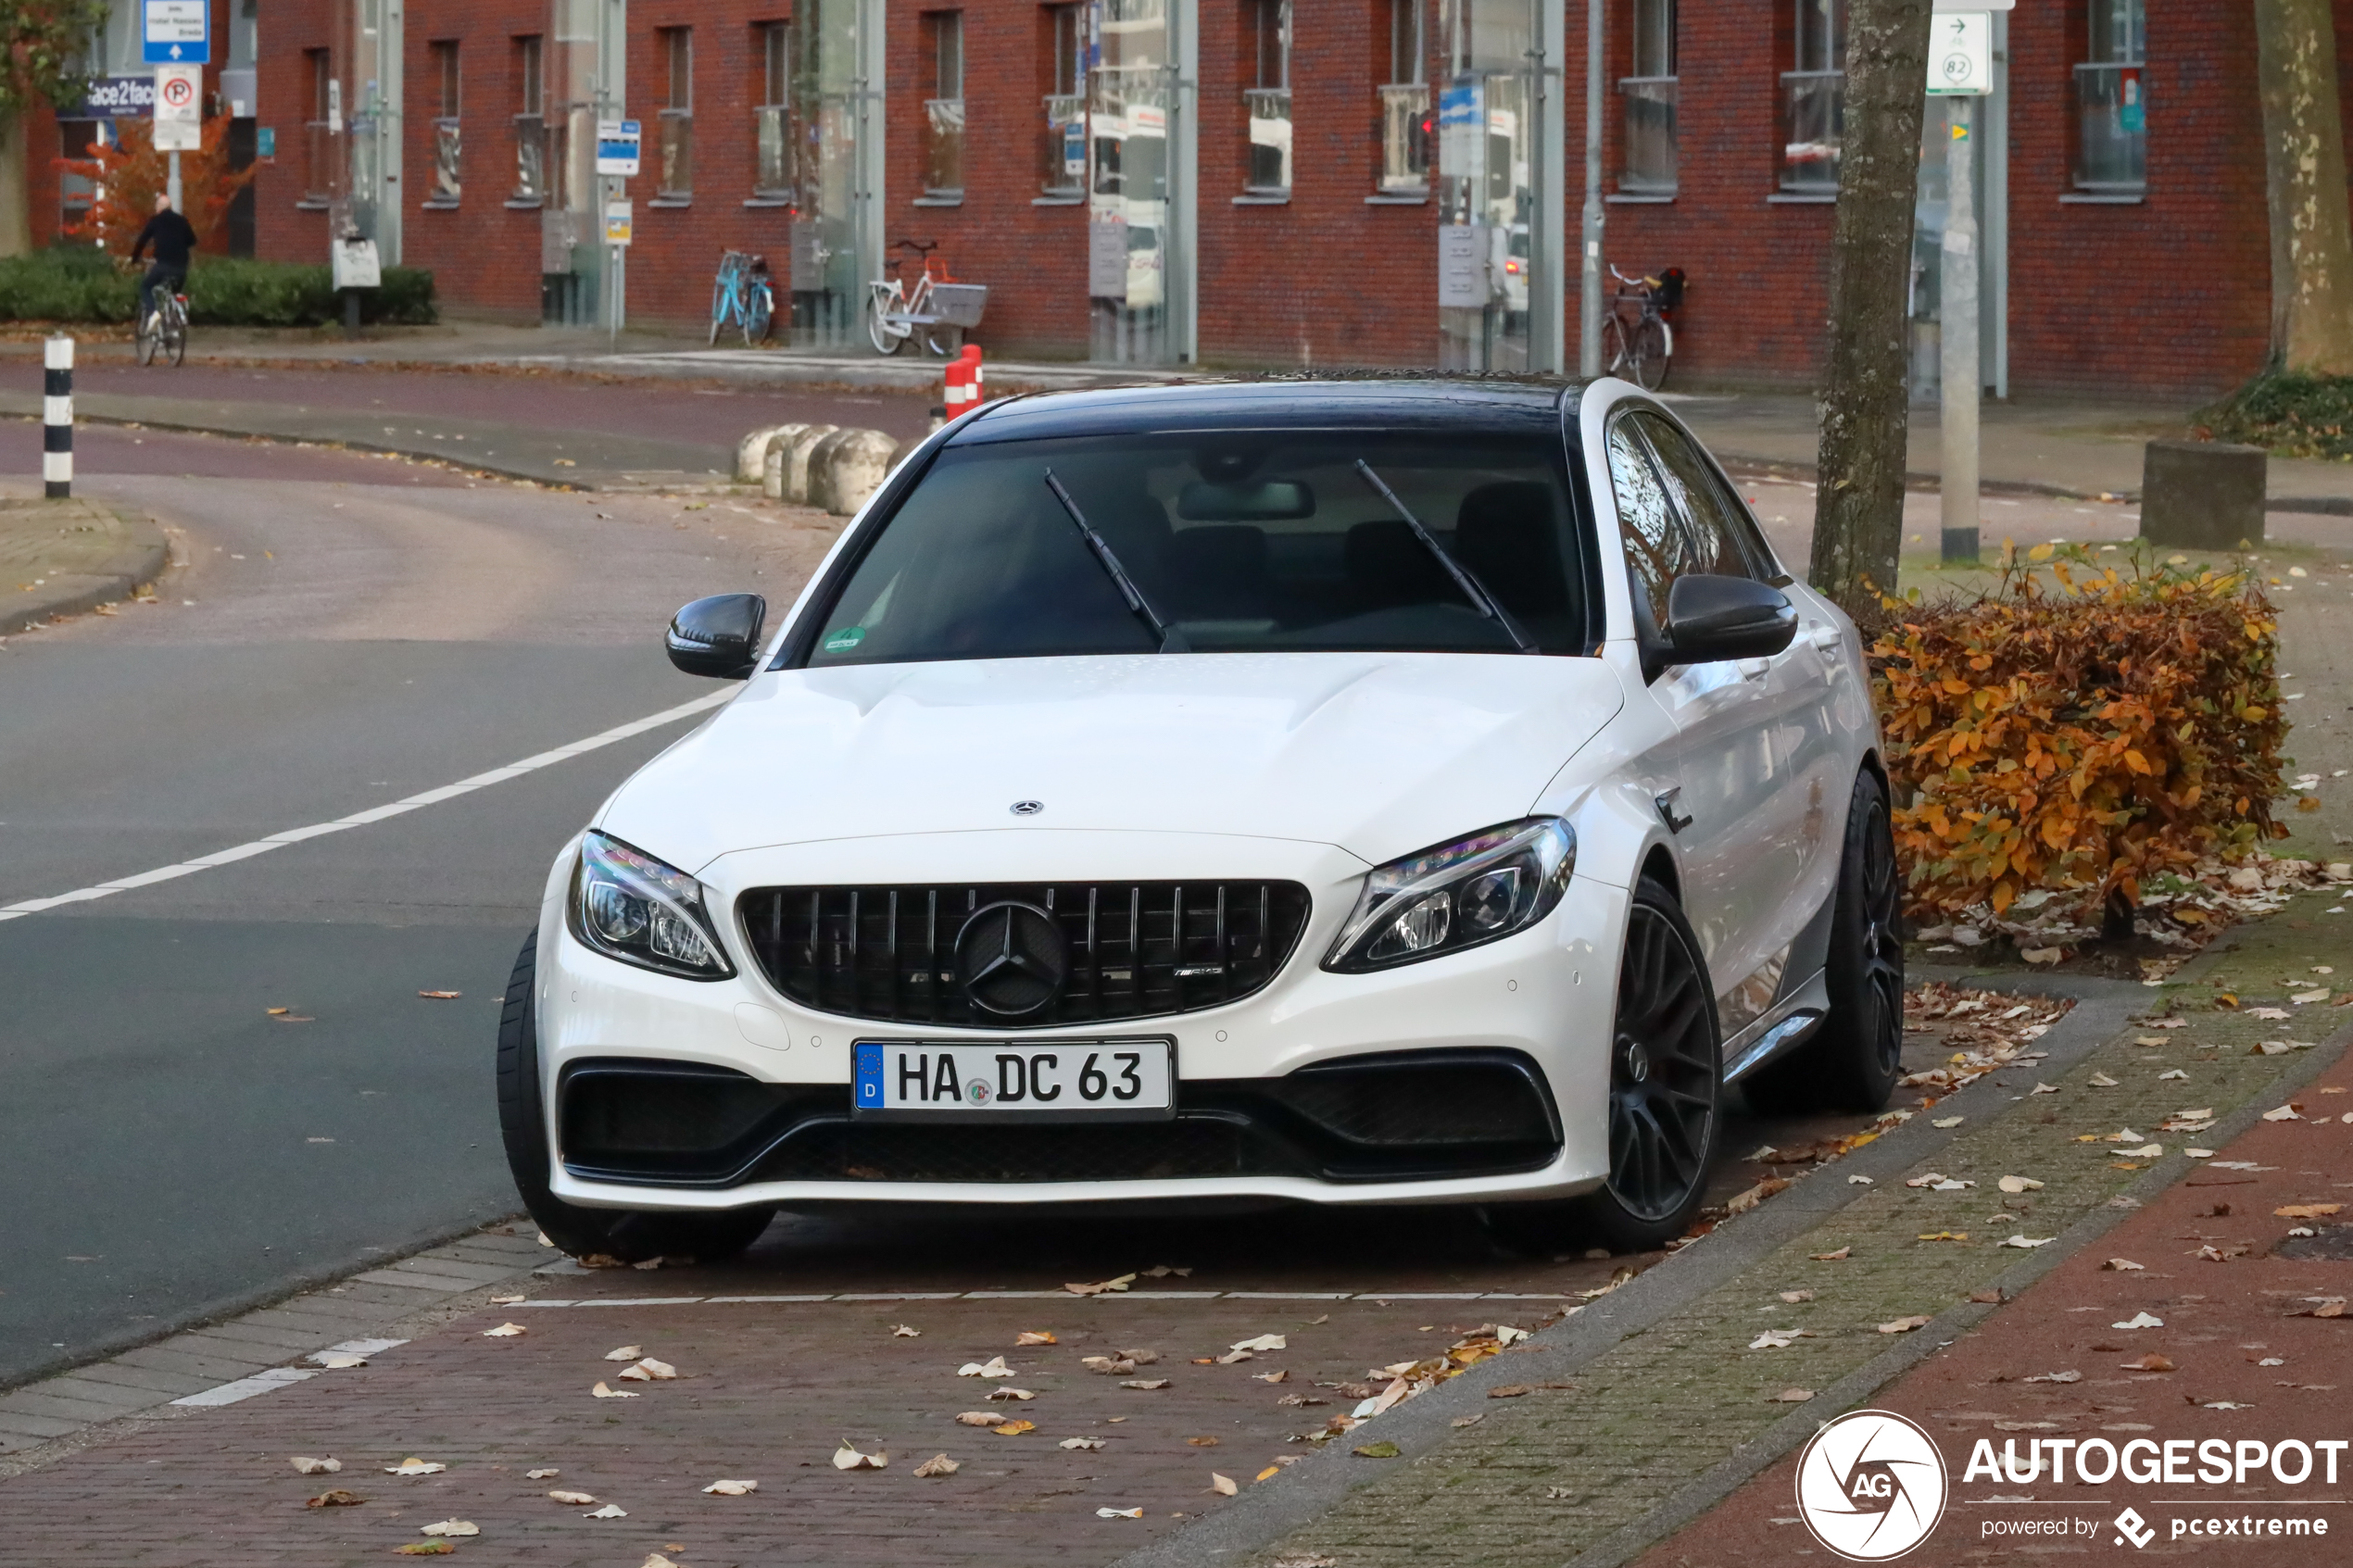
{"points": [[844, 640]]}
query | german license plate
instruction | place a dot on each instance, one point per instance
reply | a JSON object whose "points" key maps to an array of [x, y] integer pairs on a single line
{"points": [[1028, 1080]]}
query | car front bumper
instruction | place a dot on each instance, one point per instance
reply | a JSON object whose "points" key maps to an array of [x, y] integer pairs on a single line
{"points": [[1542, 997]]}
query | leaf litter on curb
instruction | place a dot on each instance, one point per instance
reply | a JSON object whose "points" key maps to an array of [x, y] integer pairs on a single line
{"points": [[610, 1510], [627, 1354], [335, 1498], [581, 1499], [650, 1370], [452, 1527], [1035, 1337], [1222, 1484], [315, 1466], [1119, 1513], [606, 1391], [1080, 1443], [547, 1473], [993, 1367], [848, 1456], [737, 1489], [416, 1467], [938, 1465], [1121, 1283], [505, 1331]]}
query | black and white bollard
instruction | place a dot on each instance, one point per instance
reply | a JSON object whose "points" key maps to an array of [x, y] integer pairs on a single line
{"points": [[56, 418]]}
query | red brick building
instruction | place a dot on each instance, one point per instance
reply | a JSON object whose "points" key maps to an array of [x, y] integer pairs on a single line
{"points": [[1259, 182]]}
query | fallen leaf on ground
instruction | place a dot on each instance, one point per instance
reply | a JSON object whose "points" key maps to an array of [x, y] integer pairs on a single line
{"points": [[1121, 1283], [1742, 1202], [938, 1465], [902, 1331], [505, 1331], [1859, 1181], [1905, 1325], [2334, 1307], [509, 1299], [416, 1467], [2140, 1320], [1145, 1383], [610, 1510], [2122, 1265], [2151, 1362], [1270, 1376], [650, 1370], [605, 1391], [1080, 1443], [1789, 1396], [336, 1499], [1202, 1442], [656, 1560], [1795, 1295], [1946, 1121], [1838, 1257], [1468, 1420], [1263, 1342], [1222, 1484], [847, 1457], [2199, 1153], [2041, 955], [1378, 1451], [1511, 1391], [979, 1418], [2057, 1377], [2027, 1243], [2281, 1113], [2306, 1211], [993, 1367], [1779, 1338], [1035, 1337], [2101, 1081], [2044, 1089], [732, 1488], [548, 1474], [1161, 1271], [1014, 1428], [627, 1354], [424, 1549], [316, 1466], [1119, 1513], [339, 1360], [1928, 1179], [2177, 1072], [452, 1527], [1943, 1235], [580, 1500], [2020, 1184], [441, 995], [1273, 1470], [1005, 1392], [1229, 1358]]}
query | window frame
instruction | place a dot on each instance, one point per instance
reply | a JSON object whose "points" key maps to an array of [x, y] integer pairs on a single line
{"points": [[1402, 105], [1267, 98], [675, 119], [530, 119], [772, 114], [1818, 84], [317, 173], [1651, 86], [942, 33], [1062, 102], [447, 186], [2126, 59]]}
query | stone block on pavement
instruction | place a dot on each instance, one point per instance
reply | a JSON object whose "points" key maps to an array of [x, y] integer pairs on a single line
{"points": [[795, 466], [751, 452], [2203, 495], [855, 463]]}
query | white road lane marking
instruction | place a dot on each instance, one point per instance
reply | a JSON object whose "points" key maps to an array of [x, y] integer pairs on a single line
{"points": [[868, 1299], [374, 814]]}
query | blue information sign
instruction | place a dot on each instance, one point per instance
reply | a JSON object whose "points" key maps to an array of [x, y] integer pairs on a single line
{"points": [[176, 32]]}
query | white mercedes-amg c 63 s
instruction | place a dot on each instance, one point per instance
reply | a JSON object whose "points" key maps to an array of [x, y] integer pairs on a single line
{"points": [[1365, 792]]}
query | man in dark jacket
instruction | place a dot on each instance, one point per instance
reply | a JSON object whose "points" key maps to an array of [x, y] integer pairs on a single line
{"points": [[173, 238]]}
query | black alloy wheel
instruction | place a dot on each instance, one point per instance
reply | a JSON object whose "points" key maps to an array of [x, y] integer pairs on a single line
{"points": [[629, 1235], [1855, 1058], [1665, 1081]]}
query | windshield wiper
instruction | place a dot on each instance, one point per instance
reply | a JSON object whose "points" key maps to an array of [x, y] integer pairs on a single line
{"points": [[1473, 589], [1169, 638]]}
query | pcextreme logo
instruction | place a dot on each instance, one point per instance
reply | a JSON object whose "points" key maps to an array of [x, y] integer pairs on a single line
{"points": [[1870, 1485]]}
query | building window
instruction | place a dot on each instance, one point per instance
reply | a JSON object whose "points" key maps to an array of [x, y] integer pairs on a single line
{"points": [[1269, 100], [772, 177], [2111, 116], [1814, 100], [943, 35], [1404, 102], [1650, 94], [531, 121], [442, 56], [1062, 147], [319, 145], [676, 176]]}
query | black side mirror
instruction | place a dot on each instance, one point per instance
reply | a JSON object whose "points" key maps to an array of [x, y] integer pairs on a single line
{"points": [[1711, 618], [718, 637]]}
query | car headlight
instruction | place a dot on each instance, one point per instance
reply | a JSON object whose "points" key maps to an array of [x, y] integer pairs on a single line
{"points": [[1457, 896], [629, 906]]}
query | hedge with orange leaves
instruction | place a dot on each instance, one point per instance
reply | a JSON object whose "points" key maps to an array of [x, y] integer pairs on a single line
{"points": [[2080, 731]]}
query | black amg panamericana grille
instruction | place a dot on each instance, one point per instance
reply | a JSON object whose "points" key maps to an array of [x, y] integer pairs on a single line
{"points": [[1135, 949]]}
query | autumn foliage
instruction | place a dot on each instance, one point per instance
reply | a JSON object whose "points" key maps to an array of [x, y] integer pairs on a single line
{"points": [[130, 176], [2077, 730]]}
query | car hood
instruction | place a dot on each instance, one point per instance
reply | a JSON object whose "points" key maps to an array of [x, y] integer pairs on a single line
{"points": [[1380, 754]]}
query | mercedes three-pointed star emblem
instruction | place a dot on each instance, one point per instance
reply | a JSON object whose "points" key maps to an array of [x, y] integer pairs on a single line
{"points": [[1012, 959]]}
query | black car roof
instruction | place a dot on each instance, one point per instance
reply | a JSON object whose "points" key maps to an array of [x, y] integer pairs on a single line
{"points": [[1494, 404]]}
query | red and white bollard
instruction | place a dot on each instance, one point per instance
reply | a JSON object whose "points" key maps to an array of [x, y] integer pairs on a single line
{"points": [[964, 383]]}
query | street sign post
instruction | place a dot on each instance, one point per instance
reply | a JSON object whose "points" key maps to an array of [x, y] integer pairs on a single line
{"points": [[618, 221], [178, 122], [1960, 54], [1960, 70], [175, 31], [618, 142]]}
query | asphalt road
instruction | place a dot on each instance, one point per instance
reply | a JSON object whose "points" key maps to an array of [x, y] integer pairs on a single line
{"points": [[336, 640]]}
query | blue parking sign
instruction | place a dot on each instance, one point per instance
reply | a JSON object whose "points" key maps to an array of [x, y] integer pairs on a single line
{"points": [[176, 32]]}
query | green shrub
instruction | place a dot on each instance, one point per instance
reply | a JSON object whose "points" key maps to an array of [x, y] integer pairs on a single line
{"points": [[74, 283], [2290, 414]]}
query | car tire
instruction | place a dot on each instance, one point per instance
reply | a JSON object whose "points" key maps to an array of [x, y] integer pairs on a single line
{"points": [[1665, 1086], [1855, 1058], [626, 1234]]}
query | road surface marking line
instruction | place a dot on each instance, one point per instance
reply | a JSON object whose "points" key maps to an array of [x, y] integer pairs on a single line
{"points": [[361, 818], [855, 1297], [247, 1387]]}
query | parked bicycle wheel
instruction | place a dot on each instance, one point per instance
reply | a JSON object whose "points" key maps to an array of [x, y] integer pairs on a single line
{"points": [[1647, 353], [878, 331], [943, 341], [176, 332], [721, 297], [145, 342], [1613, 344], [759, 313]]}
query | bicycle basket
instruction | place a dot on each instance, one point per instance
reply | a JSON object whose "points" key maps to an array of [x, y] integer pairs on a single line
{"points": [[959, 305]]}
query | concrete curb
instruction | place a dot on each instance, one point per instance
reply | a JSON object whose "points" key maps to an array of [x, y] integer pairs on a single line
{"points": [[140, 562], [1755, 1455], [1263, 1516]]}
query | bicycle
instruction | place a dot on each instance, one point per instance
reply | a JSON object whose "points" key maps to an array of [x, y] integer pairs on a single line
{"points": [[895, 312], [171, 332], [1638, 341], [744, 294]]}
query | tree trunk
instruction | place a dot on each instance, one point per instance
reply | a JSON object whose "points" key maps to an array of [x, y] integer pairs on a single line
{"points": [[16, 201], [2303, 171], [1858, 511]]}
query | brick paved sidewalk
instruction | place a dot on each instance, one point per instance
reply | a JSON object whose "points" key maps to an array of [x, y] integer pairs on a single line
{"points": [[58, 558], [2223, 1270]]}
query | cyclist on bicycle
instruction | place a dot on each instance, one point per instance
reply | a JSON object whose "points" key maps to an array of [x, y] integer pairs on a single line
{"points": [[173, 237]]}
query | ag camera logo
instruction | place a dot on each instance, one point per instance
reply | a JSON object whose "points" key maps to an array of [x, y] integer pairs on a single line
{"points": [[1871, 1485]]}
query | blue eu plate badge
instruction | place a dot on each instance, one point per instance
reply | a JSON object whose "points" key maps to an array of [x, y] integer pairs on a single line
{"points": [[869, 1080]]}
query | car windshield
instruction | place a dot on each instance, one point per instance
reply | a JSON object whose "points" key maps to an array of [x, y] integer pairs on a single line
{"points": [[1235, 542]]}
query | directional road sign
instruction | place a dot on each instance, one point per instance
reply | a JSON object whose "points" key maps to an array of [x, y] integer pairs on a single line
{"points": [[176, 31]]}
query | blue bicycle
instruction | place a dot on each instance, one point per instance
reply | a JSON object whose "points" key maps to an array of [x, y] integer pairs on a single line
{"points": [[744, 294]]}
